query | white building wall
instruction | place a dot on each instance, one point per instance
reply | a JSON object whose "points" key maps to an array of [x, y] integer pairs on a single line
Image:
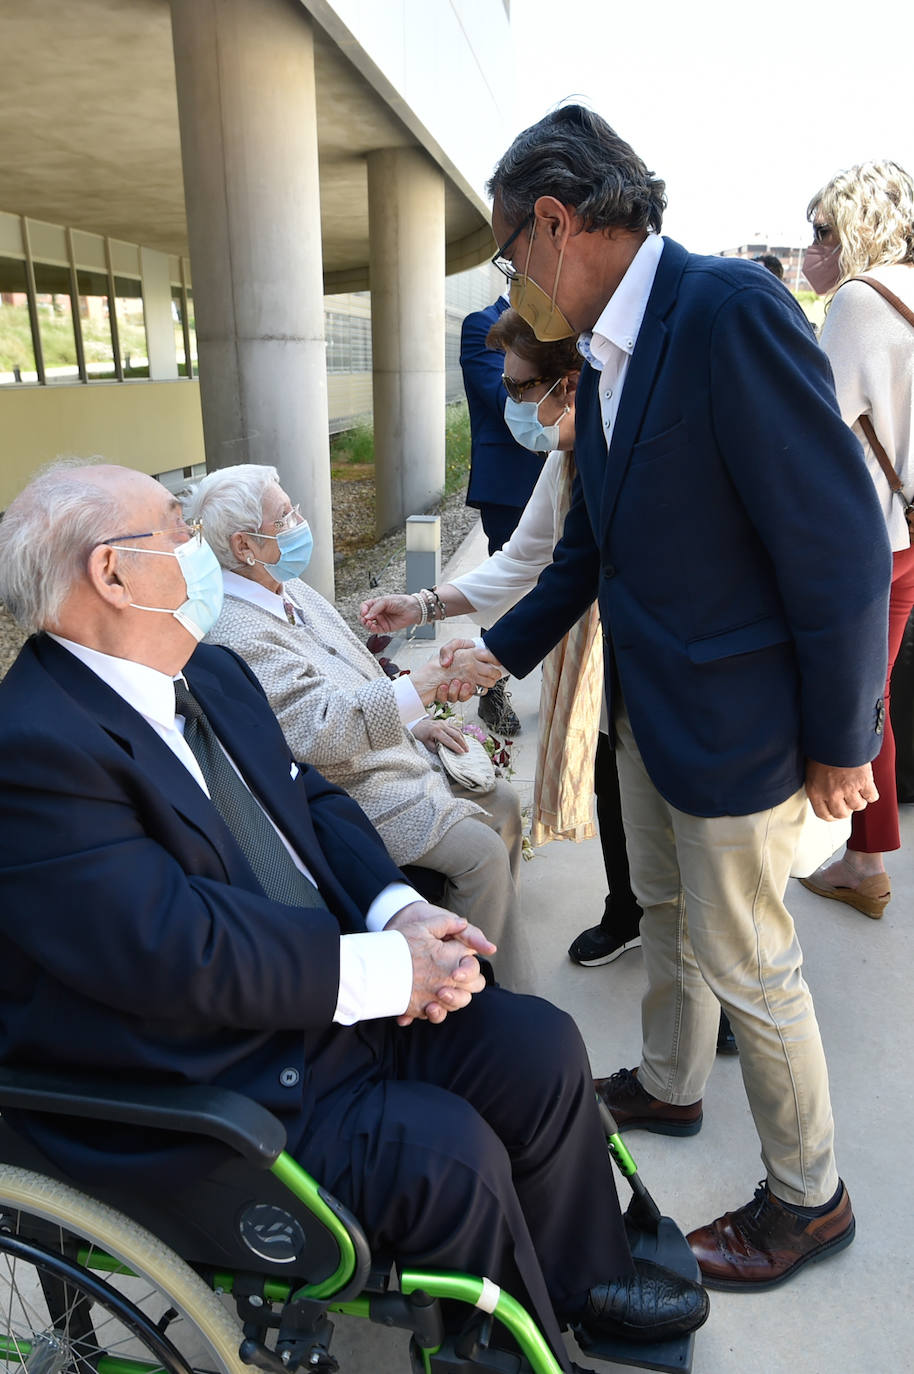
{"points": [[445, 67]]}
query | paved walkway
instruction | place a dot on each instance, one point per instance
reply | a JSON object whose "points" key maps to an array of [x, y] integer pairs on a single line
{"points": [[852, 1314]]}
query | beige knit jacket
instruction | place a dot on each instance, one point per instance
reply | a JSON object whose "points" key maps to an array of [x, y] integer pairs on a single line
{"points": [[338, 712]]}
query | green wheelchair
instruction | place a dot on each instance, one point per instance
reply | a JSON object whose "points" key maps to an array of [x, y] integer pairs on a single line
{"points": [[245, 1267]]}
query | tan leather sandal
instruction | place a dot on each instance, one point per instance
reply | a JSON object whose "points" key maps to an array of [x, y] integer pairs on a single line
{"points": [[872, 896]]}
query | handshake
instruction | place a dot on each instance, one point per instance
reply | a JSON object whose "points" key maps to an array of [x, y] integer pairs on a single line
{"points": [[461, 669]]}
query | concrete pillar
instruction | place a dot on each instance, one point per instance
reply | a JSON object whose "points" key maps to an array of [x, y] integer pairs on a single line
{"points": [[406, 266], [246, 101]]}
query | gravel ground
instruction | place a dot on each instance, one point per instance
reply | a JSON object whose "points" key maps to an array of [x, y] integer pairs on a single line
{"points": [[360, 565]]}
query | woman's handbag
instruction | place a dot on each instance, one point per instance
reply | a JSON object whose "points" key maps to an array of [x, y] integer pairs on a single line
{"points": [[473, 770], [866, 424]]}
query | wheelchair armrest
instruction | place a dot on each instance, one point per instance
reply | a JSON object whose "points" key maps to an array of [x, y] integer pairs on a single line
{"points": [[239, 1122]]}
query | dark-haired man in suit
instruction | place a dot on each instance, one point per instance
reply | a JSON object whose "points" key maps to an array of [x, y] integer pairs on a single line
{"points": [[718, 496], [181, 899]]}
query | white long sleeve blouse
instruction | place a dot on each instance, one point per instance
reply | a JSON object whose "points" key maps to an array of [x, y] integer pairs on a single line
{"points": [[509, 573], [871, 351]]}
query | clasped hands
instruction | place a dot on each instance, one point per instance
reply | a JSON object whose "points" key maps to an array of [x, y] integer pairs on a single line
{"points": [[443, 948]]}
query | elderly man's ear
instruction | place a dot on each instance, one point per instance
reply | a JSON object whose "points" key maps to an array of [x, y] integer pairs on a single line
{"points": [[103, 571]]}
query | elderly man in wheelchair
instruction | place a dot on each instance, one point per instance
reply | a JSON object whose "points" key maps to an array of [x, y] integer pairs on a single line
{"points": [[216, 988]]}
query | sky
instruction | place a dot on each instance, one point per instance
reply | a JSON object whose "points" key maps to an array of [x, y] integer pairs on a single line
{"points": [[745, 116]]}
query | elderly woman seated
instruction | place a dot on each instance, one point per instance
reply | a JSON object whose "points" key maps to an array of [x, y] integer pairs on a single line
{"points": [[340, 712]]}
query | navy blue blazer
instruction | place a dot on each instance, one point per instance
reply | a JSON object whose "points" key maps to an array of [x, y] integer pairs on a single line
{"points": [[735, 541], [134, 937], [502, 471]]}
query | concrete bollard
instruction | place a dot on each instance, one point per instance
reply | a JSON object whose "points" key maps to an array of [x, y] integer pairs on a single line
{"points": [[423, 561]]}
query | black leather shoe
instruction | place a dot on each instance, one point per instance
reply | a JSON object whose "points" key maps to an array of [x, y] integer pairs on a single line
{"points": [[653, 1304], [594, 947]]}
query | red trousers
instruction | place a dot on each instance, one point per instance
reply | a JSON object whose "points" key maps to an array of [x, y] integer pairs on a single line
{"points": [[875, 829]]}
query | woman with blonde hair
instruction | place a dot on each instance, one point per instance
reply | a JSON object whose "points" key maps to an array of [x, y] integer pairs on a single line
{"points": [[863, 257]]}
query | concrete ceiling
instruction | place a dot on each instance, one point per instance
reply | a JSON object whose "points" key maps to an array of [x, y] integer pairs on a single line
{"points": [[89, 133]]}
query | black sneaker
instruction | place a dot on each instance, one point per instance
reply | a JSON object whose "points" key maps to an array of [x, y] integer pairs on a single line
{"points": [[726, 1040], [495, 709], [595, 946]]}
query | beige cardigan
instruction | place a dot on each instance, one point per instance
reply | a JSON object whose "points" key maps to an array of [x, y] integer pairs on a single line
{"points": [[338, 712]]}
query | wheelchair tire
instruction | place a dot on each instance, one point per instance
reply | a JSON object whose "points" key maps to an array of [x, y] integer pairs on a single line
{"points": [[200, 1326]]}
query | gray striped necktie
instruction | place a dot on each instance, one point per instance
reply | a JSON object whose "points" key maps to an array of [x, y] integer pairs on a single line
{"points": [[242, 813]]}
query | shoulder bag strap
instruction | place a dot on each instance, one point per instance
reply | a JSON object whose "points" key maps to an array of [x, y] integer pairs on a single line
{"points": [[886, 294]]}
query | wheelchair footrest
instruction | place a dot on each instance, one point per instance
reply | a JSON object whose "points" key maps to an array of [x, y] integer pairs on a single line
{"points": [[668, 1246]]}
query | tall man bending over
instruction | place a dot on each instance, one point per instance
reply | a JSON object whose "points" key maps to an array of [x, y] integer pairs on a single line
{"points": [[725, 517]]}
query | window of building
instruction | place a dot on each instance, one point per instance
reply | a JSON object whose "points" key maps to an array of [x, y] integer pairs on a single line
{"points": [[131, 327], [95, 323], [17, 355], [192, 333], [55, 322], [348, 342]]}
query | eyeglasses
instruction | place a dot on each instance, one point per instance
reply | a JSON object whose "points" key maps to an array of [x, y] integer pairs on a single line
{"points": [[192, 528], [505, 265], [822, 232], [516, 389], [290, 521]]}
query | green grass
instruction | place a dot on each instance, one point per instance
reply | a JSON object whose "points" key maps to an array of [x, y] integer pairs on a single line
{"points": [[355, 448], [456, 447]]}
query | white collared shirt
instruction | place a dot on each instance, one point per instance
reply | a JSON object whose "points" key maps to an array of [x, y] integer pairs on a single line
{"points": [[376, 975], [410, 706], [610, 345]]}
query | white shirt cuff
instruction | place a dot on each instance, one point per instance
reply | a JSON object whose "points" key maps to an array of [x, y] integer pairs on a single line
{"points": [[376, 976], [409, 703], [387, 903]]}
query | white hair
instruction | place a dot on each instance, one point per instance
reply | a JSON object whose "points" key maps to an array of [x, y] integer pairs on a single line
{"points": [[229, 501], [46, 536]]}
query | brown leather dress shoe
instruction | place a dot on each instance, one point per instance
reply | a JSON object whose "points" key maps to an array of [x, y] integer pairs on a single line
{"points": [[764, 1243], [633, 1107]]}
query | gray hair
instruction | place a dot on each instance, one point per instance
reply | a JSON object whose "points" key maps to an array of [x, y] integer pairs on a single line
{"points": [[574, 155], [46, 537], [227, 501]]}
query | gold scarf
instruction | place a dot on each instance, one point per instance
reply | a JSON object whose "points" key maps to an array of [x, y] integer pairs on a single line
{"points": [[569, 716]]}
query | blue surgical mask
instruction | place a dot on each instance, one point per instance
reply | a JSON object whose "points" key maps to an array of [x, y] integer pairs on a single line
{"points": [[523, 420], [203, 585], [295, 548]]}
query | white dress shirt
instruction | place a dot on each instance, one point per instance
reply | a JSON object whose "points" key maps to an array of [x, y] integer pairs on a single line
{"points": [[410, 705], [376, 973], [610, 345]]}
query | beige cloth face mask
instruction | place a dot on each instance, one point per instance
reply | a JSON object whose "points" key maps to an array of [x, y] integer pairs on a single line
{"points": [[536, 307]]}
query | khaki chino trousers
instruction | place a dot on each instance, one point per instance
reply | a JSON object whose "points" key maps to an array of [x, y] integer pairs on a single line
{"points": [[716, 932]]}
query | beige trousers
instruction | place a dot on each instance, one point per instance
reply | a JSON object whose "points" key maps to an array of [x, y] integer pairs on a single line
{"points": [[715, 931], [480, 857]]}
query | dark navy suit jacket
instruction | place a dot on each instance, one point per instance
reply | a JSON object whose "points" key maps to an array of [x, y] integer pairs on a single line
{"points": [[502, 471], [735, 541], [129, 917]]}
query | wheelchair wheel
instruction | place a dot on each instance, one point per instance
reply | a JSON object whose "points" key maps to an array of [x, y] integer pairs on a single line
{"points": [[64, 1309]]}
